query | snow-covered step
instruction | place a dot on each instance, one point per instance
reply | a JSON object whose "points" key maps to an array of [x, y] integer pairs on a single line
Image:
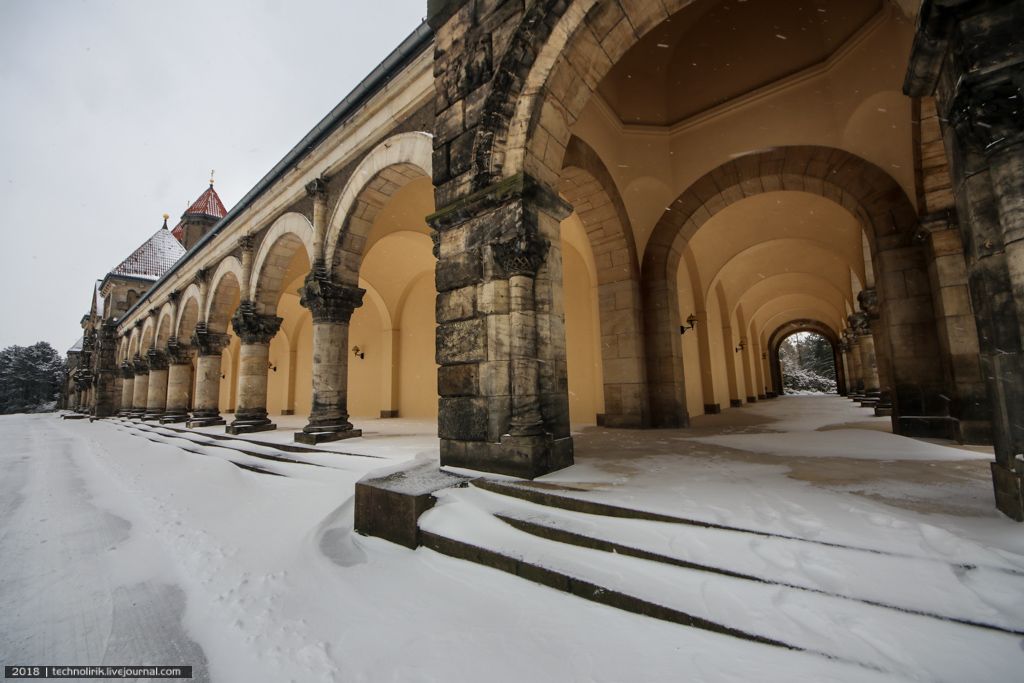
{"points": [[874, 637], [562, 497], [910, 585]]}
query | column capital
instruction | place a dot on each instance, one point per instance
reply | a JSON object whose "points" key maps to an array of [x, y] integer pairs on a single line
{"points": [[252, 327], [174, 296], [177, 352], [156, 359], [127, 370], [868, 300], [246, 242], [524, 254], [329, 301], [202, 276], [208, 343], [859, 324], [141, 368], [317, 189]]}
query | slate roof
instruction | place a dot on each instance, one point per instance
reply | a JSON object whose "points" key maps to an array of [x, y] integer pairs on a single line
{"points": [[153, 257], [77, 346], [208, 204]]}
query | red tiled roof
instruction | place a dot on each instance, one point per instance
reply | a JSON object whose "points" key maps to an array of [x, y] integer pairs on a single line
{"points": [[153, 257], [208, 204]]}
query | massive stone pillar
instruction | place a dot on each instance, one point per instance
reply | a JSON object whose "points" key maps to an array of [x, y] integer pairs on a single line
{"points": [[255, 331], [179, 382], [883, 377], [127, 388], [156, 390], [861, 326], [853, 355], [504, 403], [332, 305], [140, 391], [206, 409], [969, 55]]}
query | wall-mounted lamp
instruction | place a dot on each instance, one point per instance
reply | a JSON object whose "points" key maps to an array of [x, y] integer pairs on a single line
{"points": [[358, 353], [223, 376], [764, 355], [691, 322], [743, 345], [271, 366]]}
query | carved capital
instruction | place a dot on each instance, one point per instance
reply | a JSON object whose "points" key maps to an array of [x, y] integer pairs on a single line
{"points": [[156, 360], [524, 254], [317, 189], [178, 353], [141, 368], [868, 300], [127, 370], [201, 277], [328, 301], [246, 242], [859, 323], [208, 343], [174, 296], [252, 327]]}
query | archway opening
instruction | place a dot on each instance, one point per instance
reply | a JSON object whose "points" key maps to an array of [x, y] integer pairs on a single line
{"points": [[807, 360]]}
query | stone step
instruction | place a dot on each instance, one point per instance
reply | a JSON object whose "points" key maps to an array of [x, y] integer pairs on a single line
{"points": [[243, 465], [710, 599]]}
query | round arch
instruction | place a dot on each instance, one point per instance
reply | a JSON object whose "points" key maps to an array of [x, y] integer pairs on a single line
{"points": [[188, 313], [284, 238], [387, 168], [225, 285]]}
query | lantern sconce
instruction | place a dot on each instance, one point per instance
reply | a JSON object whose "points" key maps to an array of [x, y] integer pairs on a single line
{"points": [[764, 355], [743, 345], [271, 366], [358, 353], [691, 322]]}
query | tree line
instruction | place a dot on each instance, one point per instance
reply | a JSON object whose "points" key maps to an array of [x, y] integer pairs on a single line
{"points": [[30, 378]]}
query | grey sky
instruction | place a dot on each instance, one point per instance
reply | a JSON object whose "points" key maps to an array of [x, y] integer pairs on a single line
{"points": [[114, 111]]}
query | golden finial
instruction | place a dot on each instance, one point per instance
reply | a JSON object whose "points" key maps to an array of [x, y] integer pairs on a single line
{"points": [[211, 177], [166, 216]]}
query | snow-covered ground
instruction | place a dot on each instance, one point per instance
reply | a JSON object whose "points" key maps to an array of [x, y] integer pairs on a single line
{"points": [[116, 549]]}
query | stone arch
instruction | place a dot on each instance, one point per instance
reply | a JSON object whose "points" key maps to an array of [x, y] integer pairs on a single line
{"points": [[785, 330], [189, 308], [539, 93], [587, 185], [889, 221], [147, 335], [385, 170], [225, 285], [285, 237], [134, 339], [164, 326]]}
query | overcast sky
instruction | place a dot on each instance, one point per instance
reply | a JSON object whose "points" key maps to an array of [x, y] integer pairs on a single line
{"points": [[114, 111]]}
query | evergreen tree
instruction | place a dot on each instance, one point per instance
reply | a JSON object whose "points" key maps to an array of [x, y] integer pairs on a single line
{"points": [[30, 377]]}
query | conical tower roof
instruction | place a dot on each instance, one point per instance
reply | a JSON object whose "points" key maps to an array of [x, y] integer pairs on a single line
{"points": [[153, 257], [207, 205]]}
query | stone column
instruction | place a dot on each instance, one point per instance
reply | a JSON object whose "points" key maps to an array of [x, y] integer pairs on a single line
{"points": [[156, 394], [179, 382], [206, 410], [255, 331], [853, 357], [969, 56], [332, 305], [860, 325], [501, 330], [140, 390], [127, 388]]}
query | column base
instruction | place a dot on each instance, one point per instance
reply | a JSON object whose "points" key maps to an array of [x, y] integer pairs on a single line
{"points": [[174, 418], [243, 427], [150, 416], [735, 403], [929, 426], [762, 397], [869, 403], [312, 438], [883, 410], [527, 457], [712, 409], [751, 399], [1009, 489], [205, 421], [386, 414]]}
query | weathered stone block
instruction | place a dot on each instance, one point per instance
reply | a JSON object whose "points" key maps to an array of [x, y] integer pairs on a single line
{"points": [[389, 506], [458, 380], [456, 304], [464, 341], [462, 418], [458, 270]]}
